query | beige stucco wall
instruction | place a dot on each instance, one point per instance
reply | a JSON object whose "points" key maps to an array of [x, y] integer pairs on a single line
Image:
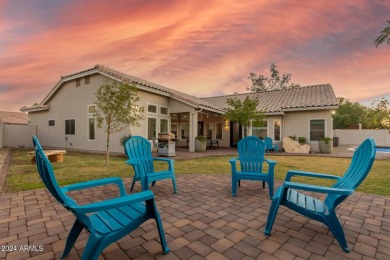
{"points": [[18, 135], [71, 102], [298, 124]]}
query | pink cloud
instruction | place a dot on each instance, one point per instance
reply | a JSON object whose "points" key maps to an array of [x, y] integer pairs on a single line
{"points": [[200, 47]]}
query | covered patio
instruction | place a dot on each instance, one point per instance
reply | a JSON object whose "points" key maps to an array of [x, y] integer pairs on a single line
{"points": [[202, 221]]}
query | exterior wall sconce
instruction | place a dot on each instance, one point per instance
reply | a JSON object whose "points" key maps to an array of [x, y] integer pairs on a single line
{"points": [[227, 124]]}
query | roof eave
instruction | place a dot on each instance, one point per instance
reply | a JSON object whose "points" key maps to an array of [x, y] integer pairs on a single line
{"points": [[295, 109], [35, 109]]}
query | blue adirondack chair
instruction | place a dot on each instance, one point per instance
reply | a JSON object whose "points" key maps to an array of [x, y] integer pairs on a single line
{"points": [[106, 221], [251, 151], [324, 211], [138, 150], [269, 145]]}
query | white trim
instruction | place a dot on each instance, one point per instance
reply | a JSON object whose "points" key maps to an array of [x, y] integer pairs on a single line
{"points": [[168, 123], [88, 136], [151, 104], [280, 131], [309, 108], [74, 126], [308, 128], [92, 105], [159, 111], [147, 126]]}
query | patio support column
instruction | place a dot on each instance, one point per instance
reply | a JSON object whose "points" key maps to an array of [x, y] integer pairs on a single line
{"points": [[193, 131]]}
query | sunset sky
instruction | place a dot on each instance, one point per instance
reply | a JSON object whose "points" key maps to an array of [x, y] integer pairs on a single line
{"points": [[204, 48]]}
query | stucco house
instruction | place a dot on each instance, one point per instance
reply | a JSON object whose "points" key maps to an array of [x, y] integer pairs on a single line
{"points": [[65, 116]]}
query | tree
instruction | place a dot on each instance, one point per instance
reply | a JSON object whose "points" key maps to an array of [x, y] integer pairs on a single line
{"points": [[244, 112], [275, 82], [384, 36], [117, 109], [348, 114], [378, 117]]}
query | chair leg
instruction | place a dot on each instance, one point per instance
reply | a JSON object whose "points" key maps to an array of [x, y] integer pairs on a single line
{"points": [[273, 210], [234, 185], [271, 188], [332, 222], [174, 184], [92, 249], [72, 237], [153, 212]]}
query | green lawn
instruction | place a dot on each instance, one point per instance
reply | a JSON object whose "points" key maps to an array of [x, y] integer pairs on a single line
{"points": [[81, 167]]}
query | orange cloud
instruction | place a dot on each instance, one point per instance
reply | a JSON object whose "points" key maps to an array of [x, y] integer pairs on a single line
{"points": [[201, 47]]}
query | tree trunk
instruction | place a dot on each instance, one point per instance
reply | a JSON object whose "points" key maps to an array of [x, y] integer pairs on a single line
{"points": [[108, 141]]}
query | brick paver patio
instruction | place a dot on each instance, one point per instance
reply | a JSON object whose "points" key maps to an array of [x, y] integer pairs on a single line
{"points": [[202, 221]]}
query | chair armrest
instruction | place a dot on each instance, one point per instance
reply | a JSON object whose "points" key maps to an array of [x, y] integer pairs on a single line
{"points": [[167, 160], [270, 162], [315, 188], [115, 202], [132, 162], [233, 163], [94, 183], [292, 173], [271, 168]]}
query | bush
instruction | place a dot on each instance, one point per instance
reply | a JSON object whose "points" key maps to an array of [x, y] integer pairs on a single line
{"points": [[302, 140], [124, 138], [200, 138]]}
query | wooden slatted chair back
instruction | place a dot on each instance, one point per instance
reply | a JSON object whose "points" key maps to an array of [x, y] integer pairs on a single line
{"points": [[251, 152], [138, 149], [360, 166]]}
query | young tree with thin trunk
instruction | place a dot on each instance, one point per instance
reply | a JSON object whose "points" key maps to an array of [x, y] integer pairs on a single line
{"points": [[117, 109], [244, 112]]}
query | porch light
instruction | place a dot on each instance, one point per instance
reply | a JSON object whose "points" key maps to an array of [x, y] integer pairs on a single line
{"points": [[226, 124]]}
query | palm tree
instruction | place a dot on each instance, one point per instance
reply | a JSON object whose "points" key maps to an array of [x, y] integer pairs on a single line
{"points": [[384, 36]]}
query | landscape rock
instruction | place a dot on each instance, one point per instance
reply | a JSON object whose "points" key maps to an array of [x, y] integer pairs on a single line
{"points": [[292, 146]]}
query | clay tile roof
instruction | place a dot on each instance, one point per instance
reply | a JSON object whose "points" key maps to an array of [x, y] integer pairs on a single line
{"points": [[16, 118], [317, 96]]}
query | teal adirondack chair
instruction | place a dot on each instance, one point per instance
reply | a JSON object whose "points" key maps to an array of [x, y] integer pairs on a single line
{"points": [[324, 211], [106, 221], [138, 150], [269, 145], [251, 152]]}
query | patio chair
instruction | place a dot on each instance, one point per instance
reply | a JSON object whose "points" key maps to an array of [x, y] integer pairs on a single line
{"points": [[324, 211], [269, 145], [140, 157], [106, 221], [251, 151]]}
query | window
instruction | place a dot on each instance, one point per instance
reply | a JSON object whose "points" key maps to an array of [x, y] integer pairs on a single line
{"points": [[91, 109], [277, 130], [91, 128], [78, 82], [163, 110], [70, 126], [218, 133], [174, 129], [52, 122], [260, 131], [152, 109], [317, 129], [87, 79], [164, 125], [152, 127]]}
